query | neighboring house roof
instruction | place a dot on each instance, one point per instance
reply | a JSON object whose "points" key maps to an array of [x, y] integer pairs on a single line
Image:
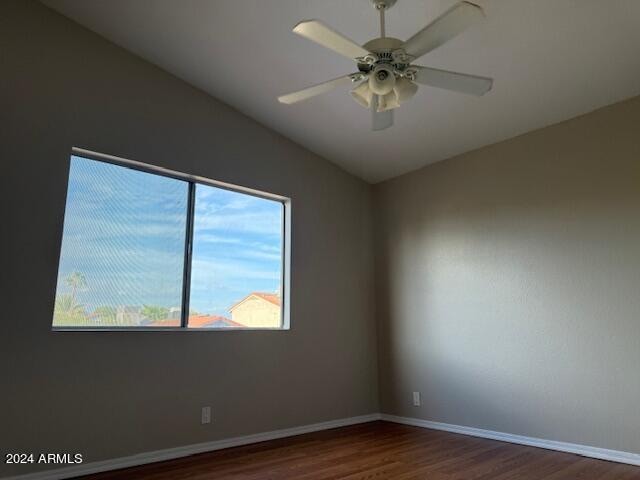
{"points": [[269, 297], [223, 323], [199, 321], [211, 321]]}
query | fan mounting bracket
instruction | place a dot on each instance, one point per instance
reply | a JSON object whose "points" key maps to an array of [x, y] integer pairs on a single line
{"points": [[383, 4]]}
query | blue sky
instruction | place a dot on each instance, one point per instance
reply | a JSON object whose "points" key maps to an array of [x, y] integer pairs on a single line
{"points": [[125, 230], [237, 248]]}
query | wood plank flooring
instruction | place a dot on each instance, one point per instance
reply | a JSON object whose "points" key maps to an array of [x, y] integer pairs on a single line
{"points": [[380, 450]]}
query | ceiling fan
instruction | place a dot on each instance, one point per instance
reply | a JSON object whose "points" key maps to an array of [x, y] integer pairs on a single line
{"points": [[386, 77]]}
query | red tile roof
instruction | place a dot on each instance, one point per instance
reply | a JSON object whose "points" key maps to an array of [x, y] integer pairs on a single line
{"points": [[203, 321], [198, 321], [269, 297]]}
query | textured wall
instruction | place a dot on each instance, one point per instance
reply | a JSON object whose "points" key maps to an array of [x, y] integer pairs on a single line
{"points": [[508, 284], [114, 394], [508, 279]]}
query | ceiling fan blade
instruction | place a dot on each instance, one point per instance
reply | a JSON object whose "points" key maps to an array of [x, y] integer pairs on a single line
{"points": [[457, 82], [452, 22], [327, 37], [315, 90], [380, 120]]}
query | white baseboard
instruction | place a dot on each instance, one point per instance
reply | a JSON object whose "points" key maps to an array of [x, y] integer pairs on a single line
{"points": [[171, 453], [584, 450]]}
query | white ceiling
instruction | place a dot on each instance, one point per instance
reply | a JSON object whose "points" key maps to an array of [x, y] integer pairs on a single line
{"points": [[551, 60]]}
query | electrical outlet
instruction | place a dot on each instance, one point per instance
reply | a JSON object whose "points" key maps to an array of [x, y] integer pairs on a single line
{"points": [[416, 399], [205, 416]]}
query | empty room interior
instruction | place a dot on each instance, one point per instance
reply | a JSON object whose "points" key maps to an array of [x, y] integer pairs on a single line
{"points": [[320, 239]]}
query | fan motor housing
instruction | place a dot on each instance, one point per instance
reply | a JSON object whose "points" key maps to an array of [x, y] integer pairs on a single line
{"points": [[383, 44], [383, 47], [383, 4]]}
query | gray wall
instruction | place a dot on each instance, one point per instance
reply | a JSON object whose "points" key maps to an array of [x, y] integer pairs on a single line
{"points": [[508, 279], [114, 394], [508, 284]]}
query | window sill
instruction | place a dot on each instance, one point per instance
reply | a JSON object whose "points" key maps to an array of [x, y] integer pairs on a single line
{"points": [[164, 329]]}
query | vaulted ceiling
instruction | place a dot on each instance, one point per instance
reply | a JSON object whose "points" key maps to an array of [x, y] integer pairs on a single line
{"points": [[551, 60]]}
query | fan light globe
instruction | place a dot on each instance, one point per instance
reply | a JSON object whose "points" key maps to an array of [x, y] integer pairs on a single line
{"points": [[387, 102], [382, 79], [362, 94], [404, 89]]}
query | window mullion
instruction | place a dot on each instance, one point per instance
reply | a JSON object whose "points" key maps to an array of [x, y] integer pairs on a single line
{"points": [[188, 250]]}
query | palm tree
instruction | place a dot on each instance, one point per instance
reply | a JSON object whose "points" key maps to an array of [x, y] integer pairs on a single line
{"points": [[77, 281], [68, 312]]}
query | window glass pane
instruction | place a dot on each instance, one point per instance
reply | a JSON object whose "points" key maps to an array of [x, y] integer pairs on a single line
{"points": [[122, 257], [236, 272]]}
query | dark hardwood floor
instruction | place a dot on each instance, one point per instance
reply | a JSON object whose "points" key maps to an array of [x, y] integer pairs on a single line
{"points": [[380, 450]]}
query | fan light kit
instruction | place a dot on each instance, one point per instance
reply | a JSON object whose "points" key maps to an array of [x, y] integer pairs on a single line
{"points": [[386, 76]]}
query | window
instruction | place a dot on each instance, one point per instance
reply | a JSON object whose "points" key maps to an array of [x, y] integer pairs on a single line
{"points": [[237, 253], [145, 248]]}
